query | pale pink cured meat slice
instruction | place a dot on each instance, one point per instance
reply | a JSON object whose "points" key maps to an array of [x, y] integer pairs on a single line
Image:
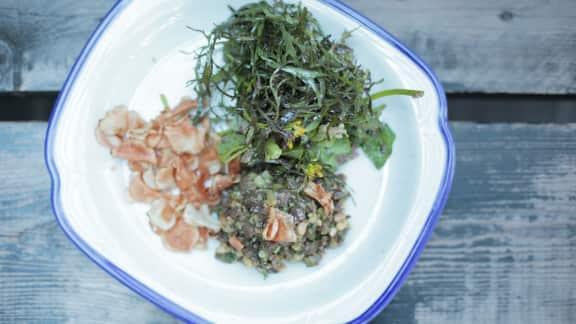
{"points": [[200, 217], [169, 116], [139, 191], [183, 176], [185, 137], [112, 128], [138, 166], [280, 227], [324, 198], [181, 237], [176, 169], [134, 151], [235, 243], [165, 178], [161, 214]]}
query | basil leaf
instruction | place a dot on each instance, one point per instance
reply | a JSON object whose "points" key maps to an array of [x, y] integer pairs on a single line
{"points": [[295, 153], [329, 152], [377, 144], [230, 147], [271, 150]]}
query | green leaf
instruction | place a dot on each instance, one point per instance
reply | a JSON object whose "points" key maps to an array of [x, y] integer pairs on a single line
{"points": [[263, 179], [271, 150], [309, 78], [273, 64], [312, 125], [288, 43], [227, 257], [321, 134], [207, 74], [328, 152], [295, 153], [347, 34], [300, 73], [249, 135], [164, 101], [379, 109], [377, 144], [246, 115], [230, 147], [279, 68], [218, 76]]}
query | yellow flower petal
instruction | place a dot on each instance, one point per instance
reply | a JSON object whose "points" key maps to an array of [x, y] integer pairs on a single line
{"points": [[299, 131]]}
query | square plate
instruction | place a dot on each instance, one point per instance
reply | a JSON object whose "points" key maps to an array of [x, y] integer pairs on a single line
{"points": [[138, 52]]}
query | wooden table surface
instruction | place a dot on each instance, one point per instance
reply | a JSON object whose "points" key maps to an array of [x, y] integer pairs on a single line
{"points": [[492, 46], [504, 250]]}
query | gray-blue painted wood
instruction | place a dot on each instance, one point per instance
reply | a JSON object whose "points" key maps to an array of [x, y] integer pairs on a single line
{"points": [[495, 46], [503, 252]]}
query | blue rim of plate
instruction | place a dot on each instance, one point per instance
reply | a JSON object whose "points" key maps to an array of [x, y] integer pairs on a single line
{"points": [[179, 311]]}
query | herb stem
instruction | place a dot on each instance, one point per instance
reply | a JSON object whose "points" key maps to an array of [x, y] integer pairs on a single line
{"points": [[164, 101], [394, 92]]}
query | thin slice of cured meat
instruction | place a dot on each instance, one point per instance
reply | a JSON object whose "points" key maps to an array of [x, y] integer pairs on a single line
{"points": [[166, 158], [221, 182], [135, 151], [324, 198], [236, 243], [149, 178], [185, 137], [112, 128], [233, 167], [170, 116], [139, 191], [133, 120], [138, 166], [209, 160], [181, 237], [183, 176], [165, 178], [176, 168], [200, 217], [280, 227], [204, 234], [161, 214], [153, 138]]}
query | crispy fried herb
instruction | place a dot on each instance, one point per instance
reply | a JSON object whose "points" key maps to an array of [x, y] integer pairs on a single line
{"points": [[299, 97]]}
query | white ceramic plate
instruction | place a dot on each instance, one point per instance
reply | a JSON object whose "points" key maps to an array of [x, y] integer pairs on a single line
{"points": [[135, 55]]}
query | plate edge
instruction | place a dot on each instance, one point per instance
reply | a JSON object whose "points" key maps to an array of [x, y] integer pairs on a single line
{"points": [[110, 268], [446, 184], [170, 306]]}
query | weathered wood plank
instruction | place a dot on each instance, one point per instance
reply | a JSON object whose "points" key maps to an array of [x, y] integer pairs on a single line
{"points": [[44, 38], [494, 46], [503, 252], [43, 277]]}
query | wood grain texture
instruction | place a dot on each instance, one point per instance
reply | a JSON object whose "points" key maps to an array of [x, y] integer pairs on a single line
{"points": [[503, 252], [493, 46], [43, 39], [43, 277]]}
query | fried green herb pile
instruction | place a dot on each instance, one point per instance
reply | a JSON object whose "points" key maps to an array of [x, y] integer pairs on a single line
{"points": [[300, 98], [296, 103], [244, 213]]}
